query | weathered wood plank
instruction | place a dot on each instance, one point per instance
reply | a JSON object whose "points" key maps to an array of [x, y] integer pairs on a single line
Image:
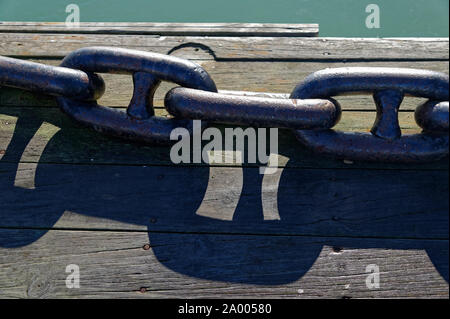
{"points": [[299, 202], [216, 231], [114, 264], [282, 77], [167, 29], [46, 135], [234, 48]]}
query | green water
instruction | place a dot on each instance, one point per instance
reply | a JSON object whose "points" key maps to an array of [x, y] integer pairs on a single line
{"points": [[337, 18]]}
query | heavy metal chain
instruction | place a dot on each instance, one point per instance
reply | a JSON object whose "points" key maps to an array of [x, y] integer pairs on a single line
{"points": [[310, 111]]}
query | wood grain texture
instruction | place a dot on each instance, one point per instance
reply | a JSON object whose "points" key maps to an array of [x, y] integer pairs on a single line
{"points": [[114, 265], [72, 196], [234, 48], [179, 29]]}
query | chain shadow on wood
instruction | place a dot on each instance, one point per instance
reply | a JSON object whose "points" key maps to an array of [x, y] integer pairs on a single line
{"points": [[345, 206]]}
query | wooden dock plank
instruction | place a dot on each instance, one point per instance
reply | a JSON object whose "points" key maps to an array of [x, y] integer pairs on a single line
{"points": [[72, 196], [114, 264], [240, 76], [235, 48], [167, 29], [301, 202]]}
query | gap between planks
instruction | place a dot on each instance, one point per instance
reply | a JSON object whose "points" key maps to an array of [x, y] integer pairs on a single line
{"points": [[245, 234]]}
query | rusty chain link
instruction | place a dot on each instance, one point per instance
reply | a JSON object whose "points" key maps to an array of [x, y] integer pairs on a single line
{"points": [[310, 111], [389, 86], [148, 69]]}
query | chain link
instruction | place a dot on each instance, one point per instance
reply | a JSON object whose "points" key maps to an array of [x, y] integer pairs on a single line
{"points": [[148, 69], [310, 111], [48, 79], [253, 111], [389, 86]]}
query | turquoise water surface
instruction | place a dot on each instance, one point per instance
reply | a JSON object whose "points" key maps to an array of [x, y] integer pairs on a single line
{"points": [[337, 18]]}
